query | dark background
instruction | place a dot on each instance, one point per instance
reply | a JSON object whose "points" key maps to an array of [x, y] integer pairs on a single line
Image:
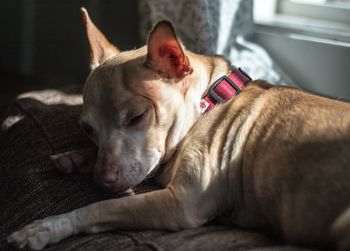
{"points": [[43, 44]]}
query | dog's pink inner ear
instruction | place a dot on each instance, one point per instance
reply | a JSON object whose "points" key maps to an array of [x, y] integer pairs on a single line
{"points": [[165, 53], [100, 48]]}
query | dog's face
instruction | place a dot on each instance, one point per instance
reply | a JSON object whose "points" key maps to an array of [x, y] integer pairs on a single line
{"points": [[131, 101]]}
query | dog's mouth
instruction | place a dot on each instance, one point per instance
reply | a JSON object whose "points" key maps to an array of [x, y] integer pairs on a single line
{"points": [[115, 188], [119, 179], [123, 185]]}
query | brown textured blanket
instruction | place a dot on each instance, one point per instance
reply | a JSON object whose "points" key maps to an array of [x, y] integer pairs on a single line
{"points": [[43, 123]]}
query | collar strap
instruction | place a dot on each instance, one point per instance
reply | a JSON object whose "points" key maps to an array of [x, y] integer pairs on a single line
{"points": [[224, 89]]}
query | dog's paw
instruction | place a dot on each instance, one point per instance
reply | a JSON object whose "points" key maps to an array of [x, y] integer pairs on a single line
{"points": [[40, 233], [68, 162], [79, 160]]}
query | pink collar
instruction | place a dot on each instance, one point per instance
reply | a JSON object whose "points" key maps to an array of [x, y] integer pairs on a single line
{"points": [[223, 89]]}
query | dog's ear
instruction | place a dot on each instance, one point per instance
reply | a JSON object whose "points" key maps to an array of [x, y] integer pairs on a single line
{"points": [[100, 48], [165, 52]]}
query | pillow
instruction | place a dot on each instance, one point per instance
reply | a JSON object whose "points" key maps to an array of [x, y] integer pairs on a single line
{"points": [[43, 123]]}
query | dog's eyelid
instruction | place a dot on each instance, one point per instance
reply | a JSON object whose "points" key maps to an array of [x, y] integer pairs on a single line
{"points": [[134, 120]]}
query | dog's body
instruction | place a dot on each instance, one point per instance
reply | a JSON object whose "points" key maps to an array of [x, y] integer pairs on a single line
{"points": [[274, 158]]}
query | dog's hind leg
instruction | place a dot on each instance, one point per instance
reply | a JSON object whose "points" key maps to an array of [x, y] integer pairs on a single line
{"points": [[340, 231]]}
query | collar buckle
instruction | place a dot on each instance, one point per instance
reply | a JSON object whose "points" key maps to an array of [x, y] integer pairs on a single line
{"points": [[215, 96], [224, 89]]}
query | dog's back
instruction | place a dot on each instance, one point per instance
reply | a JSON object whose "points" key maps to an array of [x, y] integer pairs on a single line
{"points": [[297, 162], [287, 156]]}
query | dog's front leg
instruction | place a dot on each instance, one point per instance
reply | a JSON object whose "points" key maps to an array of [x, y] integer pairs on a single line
{"points": [[160, 209]]}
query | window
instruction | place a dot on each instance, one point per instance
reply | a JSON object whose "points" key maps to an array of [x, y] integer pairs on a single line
{"points": [[333, 11], [328, 19]]}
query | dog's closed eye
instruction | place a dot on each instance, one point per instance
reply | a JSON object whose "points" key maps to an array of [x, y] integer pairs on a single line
{"points": [[133, 121]]}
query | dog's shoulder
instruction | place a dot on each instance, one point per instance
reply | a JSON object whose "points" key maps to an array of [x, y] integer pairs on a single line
{"points": [[261, 84]]}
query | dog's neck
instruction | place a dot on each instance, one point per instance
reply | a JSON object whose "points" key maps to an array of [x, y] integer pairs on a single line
{"points": [[218, 67], [206, 70]]}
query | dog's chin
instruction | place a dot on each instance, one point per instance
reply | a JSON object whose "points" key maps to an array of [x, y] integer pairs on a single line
{"points": [[123, 187], [117, 188], [130, 181]]}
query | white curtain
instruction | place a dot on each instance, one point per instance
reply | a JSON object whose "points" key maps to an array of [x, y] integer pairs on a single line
{"points": [[214, 27]]}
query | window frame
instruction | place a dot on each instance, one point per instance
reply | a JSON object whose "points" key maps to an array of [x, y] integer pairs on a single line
{"points": [[332, 11], [308, 19]]}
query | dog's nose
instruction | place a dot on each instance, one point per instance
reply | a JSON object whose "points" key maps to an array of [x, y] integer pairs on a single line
{"points": [[107, 168], [107, 178], [110, 176]]}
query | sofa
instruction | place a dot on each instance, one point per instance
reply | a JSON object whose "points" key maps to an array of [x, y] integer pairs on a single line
{"points": [[41, 123]]}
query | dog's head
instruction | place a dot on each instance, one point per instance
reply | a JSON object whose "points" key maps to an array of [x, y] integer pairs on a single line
{"points": [[135, 104]]}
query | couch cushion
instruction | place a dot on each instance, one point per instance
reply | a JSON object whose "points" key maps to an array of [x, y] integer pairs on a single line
{"points": [[46, 122]]}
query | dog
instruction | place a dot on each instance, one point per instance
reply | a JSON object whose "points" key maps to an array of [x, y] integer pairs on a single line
{"points": [[271, 158]]}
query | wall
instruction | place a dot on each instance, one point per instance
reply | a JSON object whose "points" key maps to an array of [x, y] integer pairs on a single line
{"points": [[45, 38]]}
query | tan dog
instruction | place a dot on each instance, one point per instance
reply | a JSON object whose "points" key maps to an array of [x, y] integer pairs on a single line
{"points": [[275, 158]]}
